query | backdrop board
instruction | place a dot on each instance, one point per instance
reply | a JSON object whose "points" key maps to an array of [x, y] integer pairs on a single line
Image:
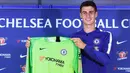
{"points": [[17, 24]]}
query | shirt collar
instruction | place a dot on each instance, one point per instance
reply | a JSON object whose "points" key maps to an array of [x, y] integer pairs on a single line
{"points": [[96, 30]]}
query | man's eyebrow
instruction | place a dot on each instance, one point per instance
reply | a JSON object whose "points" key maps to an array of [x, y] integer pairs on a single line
{"points": [[84, 11], [89, 11]]}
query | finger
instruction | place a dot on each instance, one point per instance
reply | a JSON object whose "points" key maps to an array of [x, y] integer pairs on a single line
{"points": [[28, 38], [74, 41], [27, 44], [72, 38], [76, 44]]}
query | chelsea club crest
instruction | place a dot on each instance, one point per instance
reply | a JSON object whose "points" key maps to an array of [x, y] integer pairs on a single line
{"points": [[96, 41], [63, 52]]}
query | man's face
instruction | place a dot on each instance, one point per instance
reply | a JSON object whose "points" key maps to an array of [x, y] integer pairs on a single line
{"points": [[88, 15]]}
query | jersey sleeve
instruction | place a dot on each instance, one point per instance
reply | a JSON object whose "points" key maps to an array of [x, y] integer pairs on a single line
{"points": [[76, 59], [101, 57], [28, 61], [29, 57], [79, 62]]}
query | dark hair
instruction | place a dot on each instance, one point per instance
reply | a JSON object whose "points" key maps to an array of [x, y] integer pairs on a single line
{"points": [[88, 3]]}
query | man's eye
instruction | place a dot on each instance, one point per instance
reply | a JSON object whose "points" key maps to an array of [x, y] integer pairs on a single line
{"points": [[84, 12], [91, 12]]}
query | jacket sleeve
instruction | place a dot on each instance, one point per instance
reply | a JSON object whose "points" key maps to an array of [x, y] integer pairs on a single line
{"points": [[101, 57]]}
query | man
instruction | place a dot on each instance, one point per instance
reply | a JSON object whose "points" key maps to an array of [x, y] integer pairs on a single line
{"points": [[95, 44]]}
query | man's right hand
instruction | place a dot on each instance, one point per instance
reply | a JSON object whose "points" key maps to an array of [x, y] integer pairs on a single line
{"points": [[27, 42]]}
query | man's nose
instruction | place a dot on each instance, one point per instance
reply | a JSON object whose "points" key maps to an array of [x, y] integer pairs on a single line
{"points": [[88, 15]]}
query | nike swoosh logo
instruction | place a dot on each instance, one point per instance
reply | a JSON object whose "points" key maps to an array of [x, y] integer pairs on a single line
{"points": [[2, 68], [22, 56], [42, 48], [121, 42]]}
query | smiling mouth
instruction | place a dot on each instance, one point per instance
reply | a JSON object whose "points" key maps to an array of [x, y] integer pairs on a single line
{"points": [[88, 19]]}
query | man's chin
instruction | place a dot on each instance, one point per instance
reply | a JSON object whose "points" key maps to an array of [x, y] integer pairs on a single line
{"points": [[88, 23]]}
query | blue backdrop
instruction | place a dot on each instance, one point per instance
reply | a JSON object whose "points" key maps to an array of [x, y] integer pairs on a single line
{"points": [[17, 24]]}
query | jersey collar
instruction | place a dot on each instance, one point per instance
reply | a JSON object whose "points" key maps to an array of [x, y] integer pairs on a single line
{"points": [[96, 30]]}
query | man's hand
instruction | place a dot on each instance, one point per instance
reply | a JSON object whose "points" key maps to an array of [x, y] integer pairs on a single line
{"points": [[79, 43], [27, 42]]}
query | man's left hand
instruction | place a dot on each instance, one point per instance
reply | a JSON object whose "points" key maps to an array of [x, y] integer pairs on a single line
{"points": [[79, 43]]}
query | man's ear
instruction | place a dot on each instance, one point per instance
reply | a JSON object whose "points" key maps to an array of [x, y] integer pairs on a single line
{"points": [[80, 16], [96, 14]]}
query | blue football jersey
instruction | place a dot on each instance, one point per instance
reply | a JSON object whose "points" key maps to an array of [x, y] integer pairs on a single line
{"points": [[96, 54]]}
